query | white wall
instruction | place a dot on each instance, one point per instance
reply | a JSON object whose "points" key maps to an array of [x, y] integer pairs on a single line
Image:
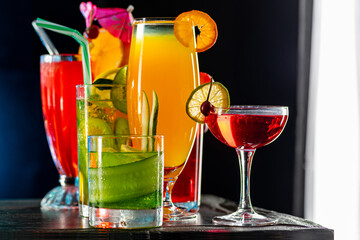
{"points": [[332, 186]]}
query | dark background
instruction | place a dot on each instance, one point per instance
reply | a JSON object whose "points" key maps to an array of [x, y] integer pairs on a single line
{"points": [[255, 57]]}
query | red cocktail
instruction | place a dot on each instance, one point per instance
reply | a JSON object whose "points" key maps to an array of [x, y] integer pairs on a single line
{"points": [[59, 76], [246, 128], [246, 131], [187, 190]]}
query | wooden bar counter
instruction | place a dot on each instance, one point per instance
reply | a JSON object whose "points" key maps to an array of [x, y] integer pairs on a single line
{"points": [[24, 219]]}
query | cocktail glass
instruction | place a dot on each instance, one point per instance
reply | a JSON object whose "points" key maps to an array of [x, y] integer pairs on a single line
{"points": [[101, 109], [125, 181], [246, 128], [159, 62], [59, 75]]}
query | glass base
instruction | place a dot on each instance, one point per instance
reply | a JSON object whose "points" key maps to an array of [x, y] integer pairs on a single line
{"points": [[125, 218], [245, 219], [177, 214], [83, 210], [61, 197], [192, 207]]}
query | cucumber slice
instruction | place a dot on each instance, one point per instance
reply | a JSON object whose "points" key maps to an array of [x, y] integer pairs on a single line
{"points": [[145, 115], [154, 115], [153, 120], [118, 183], [111, 159]]}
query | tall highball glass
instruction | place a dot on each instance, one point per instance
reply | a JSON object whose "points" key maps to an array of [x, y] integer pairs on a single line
{"points": [[159, 63], [59, 75]]}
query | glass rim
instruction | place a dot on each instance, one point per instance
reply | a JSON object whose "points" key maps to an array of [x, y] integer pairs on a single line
{"points": [[252, 110], [157, 20], [99, 85], [244, 107], [68, 57], [124, 136]]}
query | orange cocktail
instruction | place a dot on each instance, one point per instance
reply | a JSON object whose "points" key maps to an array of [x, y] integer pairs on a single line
{"points": [[159, 62]]}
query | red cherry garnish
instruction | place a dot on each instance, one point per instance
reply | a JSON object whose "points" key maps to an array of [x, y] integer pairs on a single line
{"points": [[92, 32], [206, 107]]}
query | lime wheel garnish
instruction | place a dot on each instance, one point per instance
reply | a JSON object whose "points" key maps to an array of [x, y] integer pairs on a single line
{"points": [[217, 96]]}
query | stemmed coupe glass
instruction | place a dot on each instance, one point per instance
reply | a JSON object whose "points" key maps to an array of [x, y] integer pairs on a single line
{"points": [[246, 128]]}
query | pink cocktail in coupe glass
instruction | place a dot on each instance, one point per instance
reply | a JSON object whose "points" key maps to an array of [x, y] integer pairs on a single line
{"points": [[246, 128]]}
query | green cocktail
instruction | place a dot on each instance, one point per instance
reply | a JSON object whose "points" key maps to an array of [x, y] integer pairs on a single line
{"points": [[125, 181], [101, 110]]}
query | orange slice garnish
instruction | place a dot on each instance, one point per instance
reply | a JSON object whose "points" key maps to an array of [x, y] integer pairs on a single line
{"points": [[107, 52], [207, 35]]}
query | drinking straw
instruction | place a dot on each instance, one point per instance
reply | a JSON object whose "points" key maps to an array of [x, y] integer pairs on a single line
{"points": [[78, 37], [45, 39]]}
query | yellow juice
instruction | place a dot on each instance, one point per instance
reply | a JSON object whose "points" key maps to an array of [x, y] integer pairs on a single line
{"points": [[159, 62]]}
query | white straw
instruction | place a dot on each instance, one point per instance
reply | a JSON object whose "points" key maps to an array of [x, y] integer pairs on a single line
{"points": [[45, 39], [85, 52]]}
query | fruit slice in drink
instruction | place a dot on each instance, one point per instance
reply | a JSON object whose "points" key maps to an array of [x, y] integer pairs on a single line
{"points": [[217, 95], [125, 180], [107, 52], [95, 126], [86, 127]]}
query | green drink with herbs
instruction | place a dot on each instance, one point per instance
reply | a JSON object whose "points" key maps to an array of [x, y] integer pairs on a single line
{"points": [[101, 110], [125, 181]]}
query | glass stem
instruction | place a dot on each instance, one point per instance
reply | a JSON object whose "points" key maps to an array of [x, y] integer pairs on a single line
{"points": [[245, 161], [168, 185], [66, 181]]}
